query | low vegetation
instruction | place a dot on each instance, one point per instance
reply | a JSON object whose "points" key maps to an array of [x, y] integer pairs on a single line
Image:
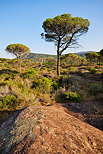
{"points": [[37, 83]]}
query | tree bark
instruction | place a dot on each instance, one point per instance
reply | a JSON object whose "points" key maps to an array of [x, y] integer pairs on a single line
{"points": [[58, 64], [20, 65], [58, 57]]}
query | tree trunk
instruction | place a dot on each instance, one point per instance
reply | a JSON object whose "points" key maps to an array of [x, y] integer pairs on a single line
{"points": [[58, 58], [58, 64], [20, 64]]}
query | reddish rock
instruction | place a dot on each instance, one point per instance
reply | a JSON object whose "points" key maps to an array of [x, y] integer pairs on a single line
{"points": [[48, 130]]}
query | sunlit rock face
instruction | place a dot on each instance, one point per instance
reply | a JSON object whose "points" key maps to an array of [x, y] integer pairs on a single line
{"points": [[51, 130]]}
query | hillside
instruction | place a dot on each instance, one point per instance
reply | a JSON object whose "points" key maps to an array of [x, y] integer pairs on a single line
{"points": [[37, 56], [51, 130], [82, 54]]}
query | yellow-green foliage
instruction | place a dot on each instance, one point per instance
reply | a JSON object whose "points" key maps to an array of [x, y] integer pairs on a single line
{"points": [[30, 73], [92, 70], [21, 89], [70, 96], [19, 50], [8, 102], [42, 84], [8, 73], [66, 81], [72, 60], [36, 86]]}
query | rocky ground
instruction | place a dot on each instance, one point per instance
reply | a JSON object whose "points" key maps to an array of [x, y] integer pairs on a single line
{"points": [[48, 130]]}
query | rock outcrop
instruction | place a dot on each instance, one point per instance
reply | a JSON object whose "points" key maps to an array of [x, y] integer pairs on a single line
{"points": [[48, 130]]}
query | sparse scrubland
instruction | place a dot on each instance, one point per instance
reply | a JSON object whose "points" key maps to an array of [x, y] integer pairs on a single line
{"points": [[41, 96], [66, 84], [34, 82]]}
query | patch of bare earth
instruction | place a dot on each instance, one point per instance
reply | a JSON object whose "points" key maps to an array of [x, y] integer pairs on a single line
{"points": [[48, 130]]}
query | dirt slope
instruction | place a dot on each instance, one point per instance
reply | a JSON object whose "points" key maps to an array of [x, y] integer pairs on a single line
{"points": [[48, 130]]}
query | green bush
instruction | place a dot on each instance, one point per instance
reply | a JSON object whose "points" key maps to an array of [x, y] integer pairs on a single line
{"points": [[66, 81], [21, 88], [69, 80], [30, 74], [92, 70], [96, 67], [8, 74], [72, 96], [8, 102], [9, 82], [64, 71], [95, 88], [8, 71], [55, 85], [49, 64], [42, 84], [44, 68], [82, 74]]}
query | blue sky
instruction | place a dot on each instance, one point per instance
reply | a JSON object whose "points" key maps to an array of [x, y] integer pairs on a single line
{"points": [[21, 22]]}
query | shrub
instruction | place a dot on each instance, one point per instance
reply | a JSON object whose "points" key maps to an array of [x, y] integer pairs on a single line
{"points": [[44, 68], [92, 70], [83, 74], [97, 67], [55, 85], [8, 102], [9, 82], [8, 74], [72, 69], [66, 81], [69, 80], [8, 71], [30, 74], [72, 96], [95, 88], [21, 89], [98, 108], [45, 99], [42, 84], [64, 71]]}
